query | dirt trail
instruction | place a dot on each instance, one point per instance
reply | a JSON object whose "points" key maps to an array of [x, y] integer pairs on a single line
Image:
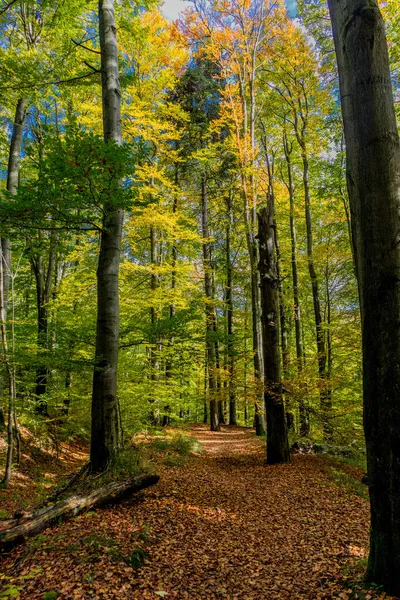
{"points": [[224, 526]]}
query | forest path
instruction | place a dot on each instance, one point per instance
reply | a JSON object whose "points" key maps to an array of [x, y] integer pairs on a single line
{"points": [[224, 526]]}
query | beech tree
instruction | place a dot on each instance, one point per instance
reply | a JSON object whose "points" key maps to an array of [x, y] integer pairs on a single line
{"points": [[106, 434], [373, 181], [277, 441]]}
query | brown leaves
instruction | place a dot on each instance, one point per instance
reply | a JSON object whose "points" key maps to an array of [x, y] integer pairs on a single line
{"points": [[222, 527]]}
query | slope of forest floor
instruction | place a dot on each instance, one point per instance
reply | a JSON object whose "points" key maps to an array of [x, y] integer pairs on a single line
{"points": [[220, 525]]}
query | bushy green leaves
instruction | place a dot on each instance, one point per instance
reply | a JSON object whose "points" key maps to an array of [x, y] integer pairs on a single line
{"points": [[76, 175]]}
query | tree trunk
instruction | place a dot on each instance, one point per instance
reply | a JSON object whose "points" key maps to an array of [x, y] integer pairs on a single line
{"points": [[106, 435], [229, 316], [14, 161], [324, 392], [205, 399], [373, 181], [249, 189], [303, 412], [44, 283], [10, 370], [210, 311], [16, 531], [155, 343], [277, 441]]}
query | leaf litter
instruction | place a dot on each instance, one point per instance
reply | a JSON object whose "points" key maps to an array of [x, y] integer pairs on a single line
{"points": [[221, 526]]}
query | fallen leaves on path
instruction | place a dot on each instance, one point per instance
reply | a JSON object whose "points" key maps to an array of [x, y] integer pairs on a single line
{"points": [[224, 526]]}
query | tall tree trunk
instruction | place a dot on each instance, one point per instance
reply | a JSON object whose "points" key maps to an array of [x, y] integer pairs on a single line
{"points": [[245, 386], [154, 347], [205, 399], [106, 435], [249, 190], [277, 441], [44, 284], [210, 311], [373, 181], [10, 370], [229, 316], [282, 308], [14, 161], [324, 393], [303, 412]]}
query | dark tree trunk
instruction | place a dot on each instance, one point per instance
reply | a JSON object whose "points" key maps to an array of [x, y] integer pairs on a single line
{"points": [[205, 399], [154, 349], [210, 311], [373, 181], [106, 434], [174, 257], [277, 441], [44, 285], [229, 316]]}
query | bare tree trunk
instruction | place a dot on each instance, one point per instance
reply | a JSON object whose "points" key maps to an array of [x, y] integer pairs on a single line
{"points": [[303, 412], [14, 161], [250, 219], [10, 370], [324, 393], [44, 284], [277, 441], [282, 308], [373, 181], [106, 435], [229, 316], [246, 399], [154, 347], [205, 399], [210, 311]]}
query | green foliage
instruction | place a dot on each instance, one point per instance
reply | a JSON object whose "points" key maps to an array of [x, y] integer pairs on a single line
{"points": [[347, 481], [75, 176], [128, 462], [10, 591], [178, 443], [50, 596], [136, 558]]}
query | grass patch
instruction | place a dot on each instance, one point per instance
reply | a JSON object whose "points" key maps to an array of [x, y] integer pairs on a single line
{"points": [[353, 580], [347, 481], [178, 444], [175, 448]]}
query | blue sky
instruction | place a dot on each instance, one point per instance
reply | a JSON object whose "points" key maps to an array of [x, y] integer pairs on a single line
{"points": [[172, 8]]}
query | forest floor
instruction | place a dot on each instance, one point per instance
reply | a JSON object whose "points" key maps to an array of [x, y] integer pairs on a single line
{"points": [[219, 525]]}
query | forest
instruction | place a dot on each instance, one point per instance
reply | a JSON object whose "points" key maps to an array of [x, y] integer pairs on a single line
{"points": [[200, 299]]}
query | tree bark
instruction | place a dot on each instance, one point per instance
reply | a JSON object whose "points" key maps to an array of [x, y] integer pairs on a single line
{"points": [[229, 316], [106, 435], [14, 162], [277, 441], [154, 349], [16, 531], [324, 392], [303, 412], [210, 311], [373, 181], [44, 283]]}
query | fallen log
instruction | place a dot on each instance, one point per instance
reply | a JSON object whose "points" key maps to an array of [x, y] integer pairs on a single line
{"points": [[16, 531]]}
